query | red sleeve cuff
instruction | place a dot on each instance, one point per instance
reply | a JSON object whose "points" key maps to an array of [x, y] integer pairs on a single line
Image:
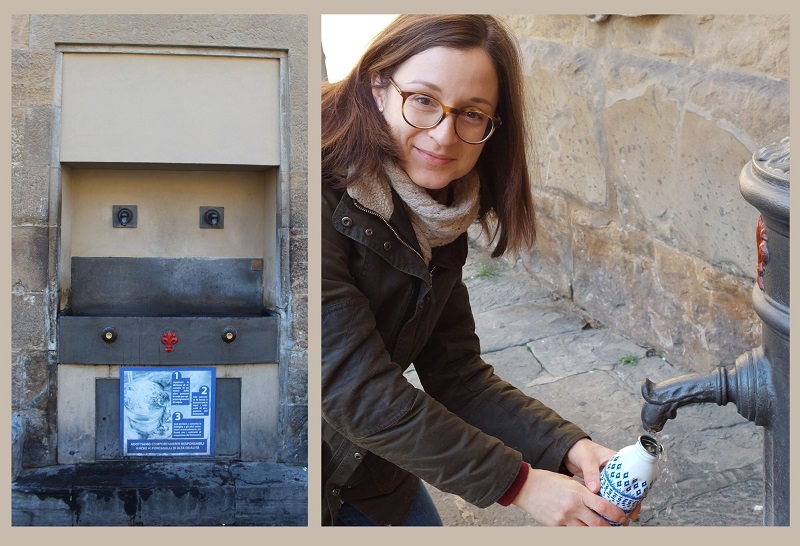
{"points": [[515, 488]]}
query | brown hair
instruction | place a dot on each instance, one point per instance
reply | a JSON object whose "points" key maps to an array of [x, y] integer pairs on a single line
{"points": [[356, 138]]}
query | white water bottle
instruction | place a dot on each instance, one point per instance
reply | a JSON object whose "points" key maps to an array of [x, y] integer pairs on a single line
{"points": [[630, 473]]}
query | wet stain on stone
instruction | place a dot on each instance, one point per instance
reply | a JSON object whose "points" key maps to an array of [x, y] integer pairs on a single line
{"points": [[130, 502], [104, 495]]}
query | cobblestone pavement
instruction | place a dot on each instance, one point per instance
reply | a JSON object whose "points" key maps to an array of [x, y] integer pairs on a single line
{"points": [[712, 473]]}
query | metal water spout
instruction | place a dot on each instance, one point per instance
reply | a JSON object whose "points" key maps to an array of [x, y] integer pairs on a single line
{"points": [[742, 385], [759, 382]]}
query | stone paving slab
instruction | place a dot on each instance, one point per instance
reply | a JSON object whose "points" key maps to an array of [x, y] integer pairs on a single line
{"points": [[712, 474], [522, 323]]}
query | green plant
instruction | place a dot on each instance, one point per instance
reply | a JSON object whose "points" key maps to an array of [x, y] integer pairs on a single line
{"points": [[485, 271], [629, 360]]}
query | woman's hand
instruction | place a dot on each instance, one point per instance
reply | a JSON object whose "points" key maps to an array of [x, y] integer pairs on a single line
{"points": [[586, 459], [555, 499]]}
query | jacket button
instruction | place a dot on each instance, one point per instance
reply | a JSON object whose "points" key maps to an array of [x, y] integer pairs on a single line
{"points": [[336, 492], [358, 456], [347, 221], [387, 245], [369, 232]]}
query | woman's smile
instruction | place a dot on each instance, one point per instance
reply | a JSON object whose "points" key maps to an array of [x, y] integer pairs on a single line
{"points": [[432, 158]]}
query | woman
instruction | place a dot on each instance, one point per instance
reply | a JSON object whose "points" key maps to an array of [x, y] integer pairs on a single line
{"points": [[423, 137]]}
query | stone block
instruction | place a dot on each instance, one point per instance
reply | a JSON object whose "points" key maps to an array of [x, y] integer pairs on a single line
{"points": [[710, 310], [30, 252], [298, 250], [757, 43], [692, 313], [708, 217], [207, 504], [37, 375], [294, 435], [299, 277], [605, 276], [642, 154], [29, 320], [567, 29], [755, 110], [717, 221], [298, 111], [270, 494], [551, 258], [30, 188], [106, 507], [300, 322], [563, 86], [17, 441], [297, 378], [299, 197], [281, 31], [40, 438], [19, 31], [17, 136], [17, 379], [32, 77], [38, 136], [36, 511]]}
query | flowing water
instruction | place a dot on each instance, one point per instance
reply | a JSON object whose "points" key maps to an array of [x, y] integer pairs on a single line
{"points": [[665, 488]]}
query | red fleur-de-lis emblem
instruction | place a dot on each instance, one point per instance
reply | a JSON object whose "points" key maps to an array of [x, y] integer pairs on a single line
{"points": [[169, 339]]}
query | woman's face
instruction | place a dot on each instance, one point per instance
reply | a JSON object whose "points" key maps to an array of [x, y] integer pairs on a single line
{"points": [[434, 157]]}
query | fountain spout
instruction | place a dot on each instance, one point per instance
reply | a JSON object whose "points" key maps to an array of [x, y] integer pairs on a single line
{"points": [[739, 385]]}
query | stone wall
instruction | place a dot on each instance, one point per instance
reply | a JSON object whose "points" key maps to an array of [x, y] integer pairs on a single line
{"points": [[35, 204], [640, 128]]}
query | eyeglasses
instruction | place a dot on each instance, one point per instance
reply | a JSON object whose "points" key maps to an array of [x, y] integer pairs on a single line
{"points": [[425, 112]]}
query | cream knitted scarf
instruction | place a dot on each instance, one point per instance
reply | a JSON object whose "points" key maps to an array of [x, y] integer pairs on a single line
{"points": [[435, 224]]}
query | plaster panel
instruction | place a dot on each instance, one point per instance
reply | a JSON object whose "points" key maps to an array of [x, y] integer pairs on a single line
{"points": [[76, 412], [168, 204], [161, 108], [260, 395]]}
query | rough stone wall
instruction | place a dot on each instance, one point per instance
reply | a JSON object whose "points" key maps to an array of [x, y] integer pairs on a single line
{"points": [[640, 128], [35, 210]]}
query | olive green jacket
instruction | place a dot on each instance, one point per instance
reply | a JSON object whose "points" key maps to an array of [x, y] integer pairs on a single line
{"points": [[382, 310]]}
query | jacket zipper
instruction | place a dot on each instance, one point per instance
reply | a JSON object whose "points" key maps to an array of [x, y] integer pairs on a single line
{"points": [[397, 235]]}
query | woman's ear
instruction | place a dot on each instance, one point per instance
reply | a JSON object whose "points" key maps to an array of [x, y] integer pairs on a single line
{"points": [[378, 90]]}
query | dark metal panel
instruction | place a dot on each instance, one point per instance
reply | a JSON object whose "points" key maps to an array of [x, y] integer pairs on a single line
{"points": [[141, 340], [167, 286], [227, 426], [106, 404]]}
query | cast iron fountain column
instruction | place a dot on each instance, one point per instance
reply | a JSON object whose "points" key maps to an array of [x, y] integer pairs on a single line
{"points": [[759, 382]]}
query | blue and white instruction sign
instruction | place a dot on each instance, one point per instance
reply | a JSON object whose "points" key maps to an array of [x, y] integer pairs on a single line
{"points": [[167, 412]]}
